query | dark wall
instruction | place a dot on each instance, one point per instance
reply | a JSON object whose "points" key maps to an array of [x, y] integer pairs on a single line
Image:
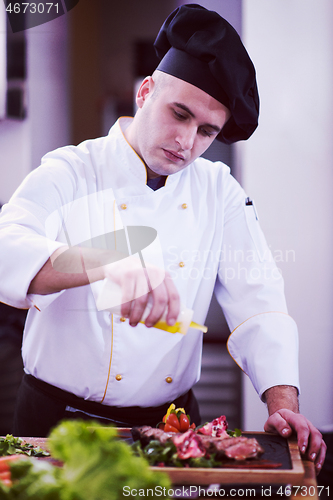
{"points": [[103, 38]]}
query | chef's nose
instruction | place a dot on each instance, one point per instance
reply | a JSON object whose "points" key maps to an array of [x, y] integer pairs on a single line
{"points": [[186, 137]]}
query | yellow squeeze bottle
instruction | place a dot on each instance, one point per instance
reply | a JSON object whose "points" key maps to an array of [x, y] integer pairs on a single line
{"points": [[109, 299], [182, 324]]}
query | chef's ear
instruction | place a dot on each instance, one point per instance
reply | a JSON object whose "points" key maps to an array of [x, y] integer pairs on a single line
{"points": [[144, 90]]}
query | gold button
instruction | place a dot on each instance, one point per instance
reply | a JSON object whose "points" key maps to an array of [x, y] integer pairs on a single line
{"points": [[168, 380], [123, 206], [118, 377], [181, 264], [122, 319], [184, 206]]}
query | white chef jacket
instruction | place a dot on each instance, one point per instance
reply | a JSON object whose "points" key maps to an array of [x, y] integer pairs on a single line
{"points": [[210, 240]]}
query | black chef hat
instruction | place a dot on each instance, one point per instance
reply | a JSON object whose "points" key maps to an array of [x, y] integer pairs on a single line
{"points": [[199, 46]]}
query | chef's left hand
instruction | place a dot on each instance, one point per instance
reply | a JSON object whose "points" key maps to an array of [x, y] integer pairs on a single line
{"points": [[310, 440]]}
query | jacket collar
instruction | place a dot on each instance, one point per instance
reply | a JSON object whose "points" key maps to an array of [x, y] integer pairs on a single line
{"points": [[132, 164]]}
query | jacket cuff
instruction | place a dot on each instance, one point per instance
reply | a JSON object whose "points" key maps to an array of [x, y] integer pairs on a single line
{"points": [[265, 347]]}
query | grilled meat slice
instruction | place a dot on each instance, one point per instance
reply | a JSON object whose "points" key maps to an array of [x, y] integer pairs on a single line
{"points": [[238, 448], [218, 445], [244, 449], [146, 434]]}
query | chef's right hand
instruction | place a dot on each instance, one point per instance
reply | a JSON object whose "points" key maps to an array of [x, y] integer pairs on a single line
{"points": [[138, 285]]}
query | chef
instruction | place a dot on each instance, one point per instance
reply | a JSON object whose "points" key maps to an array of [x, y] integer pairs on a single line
{"points": [[140, 209]]}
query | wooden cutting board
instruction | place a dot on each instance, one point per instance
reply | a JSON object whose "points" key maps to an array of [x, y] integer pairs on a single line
{"points": [[277, 451], [256, 471]]}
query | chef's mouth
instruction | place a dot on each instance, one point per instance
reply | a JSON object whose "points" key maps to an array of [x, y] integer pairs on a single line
{"points": [[173, 156]]}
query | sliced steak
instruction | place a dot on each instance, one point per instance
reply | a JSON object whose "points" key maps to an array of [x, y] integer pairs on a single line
{"points": [[237, 448], [191, 444], [218, 445], [145, 434], [250, 448]]}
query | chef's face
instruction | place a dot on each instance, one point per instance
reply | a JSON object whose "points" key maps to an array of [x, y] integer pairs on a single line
{"points": [[175, 123]]}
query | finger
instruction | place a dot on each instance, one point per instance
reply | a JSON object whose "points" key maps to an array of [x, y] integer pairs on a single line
{"points": [[276, 423], [159, 305], [302, 428], [133, 286], [137, 310], [167, 302], [174, 300], [315, 443], [321, 457], [140, 299]]}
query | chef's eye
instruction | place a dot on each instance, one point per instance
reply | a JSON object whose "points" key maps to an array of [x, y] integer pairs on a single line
{"points": [[205, 132], [179, 116]]}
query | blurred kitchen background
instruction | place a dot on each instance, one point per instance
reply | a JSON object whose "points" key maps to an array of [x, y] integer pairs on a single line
{"points": [[69, 80]]}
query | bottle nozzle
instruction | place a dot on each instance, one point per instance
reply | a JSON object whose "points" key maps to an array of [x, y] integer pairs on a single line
{"points": [[195, 325]]}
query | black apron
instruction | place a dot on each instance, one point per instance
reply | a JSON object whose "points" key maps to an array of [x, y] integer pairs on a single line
{"points": [[40, 406]]}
